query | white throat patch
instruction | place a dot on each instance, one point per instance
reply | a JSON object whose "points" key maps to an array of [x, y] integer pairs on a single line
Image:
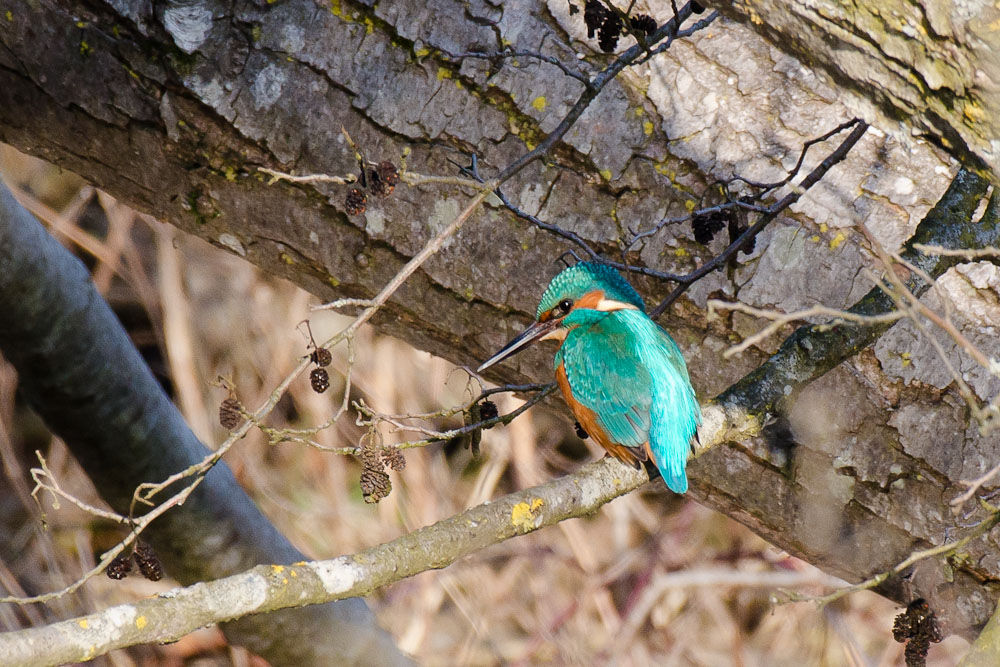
{"points": [[609, 305]]}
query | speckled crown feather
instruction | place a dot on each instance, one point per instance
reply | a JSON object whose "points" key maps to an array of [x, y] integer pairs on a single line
{"points": [[583, 277]]}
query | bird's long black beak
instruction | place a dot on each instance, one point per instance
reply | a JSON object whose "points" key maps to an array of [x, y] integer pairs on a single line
{"points": [[535, 332]]}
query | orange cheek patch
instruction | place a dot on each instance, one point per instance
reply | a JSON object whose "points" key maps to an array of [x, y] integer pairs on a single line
{"points": [[590, 300]]}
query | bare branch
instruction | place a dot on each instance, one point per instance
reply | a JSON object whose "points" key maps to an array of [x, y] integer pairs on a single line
{"points": [[781, 319], [873, 582], [964, 253]]}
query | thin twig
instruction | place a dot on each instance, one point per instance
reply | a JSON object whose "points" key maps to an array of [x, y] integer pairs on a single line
{"points": [[973, 486], [605, 76], [814, 177], [306, 178], [511, 53], [46, 481], [941, 550], [438, 436], [967, 253], [781, 319]]}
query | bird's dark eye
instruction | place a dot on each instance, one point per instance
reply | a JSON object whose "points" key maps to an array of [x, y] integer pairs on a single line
{"points": [[564, 306]]}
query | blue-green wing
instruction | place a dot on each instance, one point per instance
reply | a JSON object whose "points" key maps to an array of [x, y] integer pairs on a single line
{"points": [[606, 373]]}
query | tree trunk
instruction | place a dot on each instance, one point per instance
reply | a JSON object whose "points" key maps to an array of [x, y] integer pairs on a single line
{"points": [[173, 108]]}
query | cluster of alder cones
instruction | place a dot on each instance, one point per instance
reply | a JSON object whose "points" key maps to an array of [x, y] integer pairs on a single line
{"points": [[145, 559], [608, 23], [381, 181]]}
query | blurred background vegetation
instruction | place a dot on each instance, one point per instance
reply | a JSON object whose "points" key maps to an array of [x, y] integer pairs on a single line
{"points": [[652, 579]]}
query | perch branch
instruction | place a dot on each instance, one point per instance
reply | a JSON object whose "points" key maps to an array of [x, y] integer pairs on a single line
{"points": [[266, 588]]}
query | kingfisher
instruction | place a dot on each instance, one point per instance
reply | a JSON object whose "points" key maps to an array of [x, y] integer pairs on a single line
{"points": [[622, 375]]}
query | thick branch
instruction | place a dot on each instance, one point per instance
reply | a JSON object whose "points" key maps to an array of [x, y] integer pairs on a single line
{"points": [[810, 351]]}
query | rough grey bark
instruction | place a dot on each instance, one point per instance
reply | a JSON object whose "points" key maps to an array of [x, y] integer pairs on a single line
{"points": [[930, 65], [80, 372], [173, 107]]}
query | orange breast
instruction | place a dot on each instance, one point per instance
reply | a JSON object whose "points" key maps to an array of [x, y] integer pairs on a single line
{"points": [[588, 420]]}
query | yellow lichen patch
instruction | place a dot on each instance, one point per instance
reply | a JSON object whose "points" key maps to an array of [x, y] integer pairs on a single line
{"points": [[85, 48], [814, 238], [606, 174], [681, 252], [639, 112], [647, 127], [973, 112], [287, 259], [141, 622], [9, 15], [823, 227], [443, 73], [335, 8], [906, 359], [293, 573], [277, 569], [84, 624], [689, 205], [301, 562], [837, 240], [539, 103], [523, 516], [421, 52]]}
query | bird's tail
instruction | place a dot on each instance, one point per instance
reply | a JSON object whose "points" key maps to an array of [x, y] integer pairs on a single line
{"points": [[674, 422]]}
